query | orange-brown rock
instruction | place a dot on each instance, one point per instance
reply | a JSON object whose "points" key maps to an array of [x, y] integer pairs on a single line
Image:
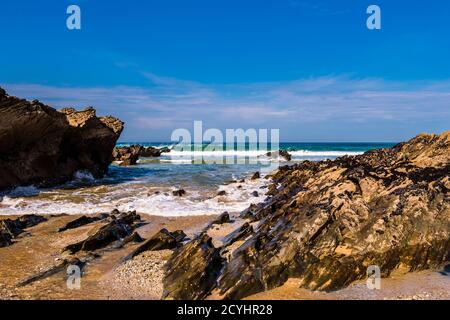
{"points": [[326, 222]]}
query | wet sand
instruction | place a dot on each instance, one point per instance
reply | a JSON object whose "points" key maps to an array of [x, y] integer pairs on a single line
{"points": [[108, 277], [40, 247], [424, 285]]}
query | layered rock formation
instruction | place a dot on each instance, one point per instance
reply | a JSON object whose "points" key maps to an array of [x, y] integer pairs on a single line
{"points": [[40, 145], [326, 222]]}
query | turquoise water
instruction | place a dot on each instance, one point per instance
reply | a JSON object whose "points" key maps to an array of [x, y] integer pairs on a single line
{"points": [[147, 187]]}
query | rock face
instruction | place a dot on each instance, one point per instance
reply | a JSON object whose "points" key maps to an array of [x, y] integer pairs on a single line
{"points": [[192, 271], [40, 145], [327, 222]]}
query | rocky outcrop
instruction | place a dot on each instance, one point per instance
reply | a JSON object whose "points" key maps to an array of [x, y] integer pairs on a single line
{"points": [[10, 229], [162, 240], [255, 176], [119, 226], [81, 221], [326, 222], [40, 145], [130, 155], [179, 193], [192, 271], [281, 153]]}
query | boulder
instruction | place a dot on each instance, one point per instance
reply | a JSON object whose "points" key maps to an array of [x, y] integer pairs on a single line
{"points": [[42, 146]]}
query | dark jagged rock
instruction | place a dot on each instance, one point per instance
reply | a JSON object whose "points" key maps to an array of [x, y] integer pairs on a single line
{"points": [[126, 217], [116, 229], [127, 155], [255, 194], [150, 152], [130, 155], [255, 176], [5, 238], [78, 222], [162, 240], [249, 212], [42, 146], [60, 267], [221, 193], [164, 150], [223, 218], [10, 229], [135, 237], [196, 279], [239, 234], [179, 193], [326, 222], [281, 153]]}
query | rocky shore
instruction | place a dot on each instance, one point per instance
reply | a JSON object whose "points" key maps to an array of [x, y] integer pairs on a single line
{"points": [[43, 146], [320, 227], [325, 223]]}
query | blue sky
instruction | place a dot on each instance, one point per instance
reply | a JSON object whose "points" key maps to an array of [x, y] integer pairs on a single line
{"points": [[310, 68]]}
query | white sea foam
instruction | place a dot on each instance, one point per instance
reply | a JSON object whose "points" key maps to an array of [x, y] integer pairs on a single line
{"points": [[257, 153], [137, 193], [217, 153], [307, 153], [83, 175], [140, 198]]}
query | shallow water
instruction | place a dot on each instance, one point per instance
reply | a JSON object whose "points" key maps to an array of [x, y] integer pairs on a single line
{"points": [[147, 187]]}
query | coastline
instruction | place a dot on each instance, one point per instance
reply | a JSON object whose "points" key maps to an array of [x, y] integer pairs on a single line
{"points": [[109, 278], [40, 248]]}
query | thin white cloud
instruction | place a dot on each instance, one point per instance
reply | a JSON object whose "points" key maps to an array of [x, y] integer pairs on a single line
{"points": [[170, 103]]}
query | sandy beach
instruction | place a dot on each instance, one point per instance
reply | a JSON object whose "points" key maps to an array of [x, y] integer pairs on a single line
{"points": [[40, 248], [109, 277]]}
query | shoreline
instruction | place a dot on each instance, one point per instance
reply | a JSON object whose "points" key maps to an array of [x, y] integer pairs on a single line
{"points": [[108, 277], [40, 248]]}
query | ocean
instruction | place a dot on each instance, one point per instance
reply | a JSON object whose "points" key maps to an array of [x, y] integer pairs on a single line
{"points": [[147, 187]]}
